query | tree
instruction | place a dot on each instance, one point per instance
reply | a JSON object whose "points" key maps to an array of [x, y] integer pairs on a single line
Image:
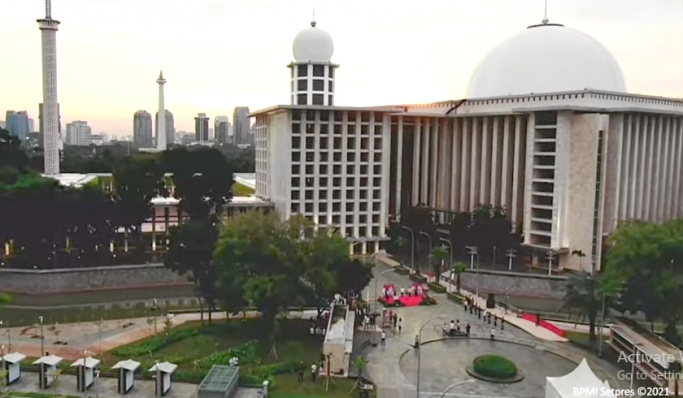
{"points": [[646, 259], [361, 363], [676, 369], [458, 268], [272, 265], [190, 252], [583, 298], [137, 181], [438, 254]]}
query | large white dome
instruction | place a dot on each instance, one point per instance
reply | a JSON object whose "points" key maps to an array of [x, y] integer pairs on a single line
{"points": [[314, 45], [546, 58]]}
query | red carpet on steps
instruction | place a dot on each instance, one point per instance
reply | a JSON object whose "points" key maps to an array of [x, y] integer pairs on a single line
{"points": [[406, 301]]}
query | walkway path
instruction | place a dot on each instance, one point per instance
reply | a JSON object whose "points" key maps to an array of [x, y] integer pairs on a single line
{"points": [[97, 338], [385, 365]]}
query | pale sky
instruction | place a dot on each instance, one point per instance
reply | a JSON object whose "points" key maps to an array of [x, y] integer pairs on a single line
{"points": [[218, 54]]}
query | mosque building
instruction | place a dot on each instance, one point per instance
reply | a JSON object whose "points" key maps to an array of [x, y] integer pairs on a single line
{"points": [[548, 131]]}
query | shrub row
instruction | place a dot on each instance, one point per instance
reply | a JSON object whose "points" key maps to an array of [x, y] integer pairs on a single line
{"points": [[418, 278], [436, 288], [456, 297], [156, 343], [402, 271]]}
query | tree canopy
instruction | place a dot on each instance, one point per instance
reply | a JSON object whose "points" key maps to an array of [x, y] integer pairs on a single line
{"points": [[272, 265], [646, 262]]}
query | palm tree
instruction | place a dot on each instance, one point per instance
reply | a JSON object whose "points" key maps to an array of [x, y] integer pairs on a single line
{"points": [[458, 268], [438, 255], [583, 299]]}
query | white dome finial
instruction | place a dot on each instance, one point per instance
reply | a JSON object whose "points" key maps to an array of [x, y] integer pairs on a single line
{"points": [[313, 20]]}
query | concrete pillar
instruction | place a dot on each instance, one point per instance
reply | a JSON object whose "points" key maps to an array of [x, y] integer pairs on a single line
{"points": [[506, 176], [435, 160], [399, 165], [424, 189], [416, 160], [465, 156], [475, 165], [518, 172], [455, 167]]}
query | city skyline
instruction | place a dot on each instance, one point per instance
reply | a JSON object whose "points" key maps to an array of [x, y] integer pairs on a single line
{"points": [[380, 59]]}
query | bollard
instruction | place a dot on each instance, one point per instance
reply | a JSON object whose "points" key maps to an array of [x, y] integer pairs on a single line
{"points": [[264, 391]]}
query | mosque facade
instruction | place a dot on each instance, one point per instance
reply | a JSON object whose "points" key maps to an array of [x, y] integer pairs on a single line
{"points": [[548, 131]]}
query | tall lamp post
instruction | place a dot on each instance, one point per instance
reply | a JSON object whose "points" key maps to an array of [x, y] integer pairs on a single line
{"points": [[429, 238], [474, 251], [155, 310], [551, 257], [42, 336], [9, 336], [412, 246], [374, 306], [450, 264], [511, 253], [419, 339]]}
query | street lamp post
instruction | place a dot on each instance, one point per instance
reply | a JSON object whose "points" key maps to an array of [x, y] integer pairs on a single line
{"points": [[42, 336], [429, 256], [551, 257], [155, 309], [474, 251], [511, 253], [450, 264], [374, 305], [412, 247], [602, 326], [419, 339]]}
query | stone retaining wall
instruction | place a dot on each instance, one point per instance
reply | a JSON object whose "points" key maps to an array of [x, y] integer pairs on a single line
{"points": [[72, 280], [515, 284]]}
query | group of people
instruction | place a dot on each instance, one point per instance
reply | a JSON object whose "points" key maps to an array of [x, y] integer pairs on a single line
{"points": [[415, 290], [453, 330], [488, 316]]}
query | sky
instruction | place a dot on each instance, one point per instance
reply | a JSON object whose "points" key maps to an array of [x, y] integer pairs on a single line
{"points": [[218, 54]]}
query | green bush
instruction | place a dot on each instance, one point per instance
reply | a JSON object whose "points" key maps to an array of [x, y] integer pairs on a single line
{"points": [[418, 278], [456, 297], [156, 343], [436, 288], [495, 366], [402, 271], [426, 300], [247, 353]]}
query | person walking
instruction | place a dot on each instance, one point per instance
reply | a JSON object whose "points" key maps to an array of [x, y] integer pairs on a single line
{"points": [[467, 329], [314, 371], [493, 334], [417, 342], [383, 340], [301, 370], [399, 325]]}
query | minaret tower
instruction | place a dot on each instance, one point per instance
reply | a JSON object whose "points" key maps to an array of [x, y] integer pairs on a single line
{"points": [[51, 138], [312, 78], [161, 118]]}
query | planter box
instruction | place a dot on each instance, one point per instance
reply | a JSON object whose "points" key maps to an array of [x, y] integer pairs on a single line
{"points": [[436, 288], [402, 271], [418, 278], [456, 297]]}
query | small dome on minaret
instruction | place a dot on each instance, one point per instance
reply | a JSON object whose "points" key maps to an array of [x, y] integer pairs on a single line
{"points": [[313, 45]]}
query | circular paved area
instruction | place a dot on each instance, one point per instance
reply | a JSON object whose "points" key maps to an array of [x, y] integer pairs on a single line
{"points": [[444, 363]]}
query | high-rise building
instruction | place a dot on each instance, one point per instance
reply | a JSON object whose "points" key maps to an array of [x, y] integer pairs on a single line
{"points": [[142, 129], [553, 137], [221, 129], [241, 124], [31, 125], [162, 134], [51, 135], [170, 127], [201, 128], [78, 133], [17, 124]]}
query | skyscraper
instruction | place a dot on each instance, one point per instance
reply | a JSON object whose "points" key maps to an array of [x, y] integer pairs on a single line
{"points": [[78, 133], [142, 129], [201, 128], [170, 127], [221, 128], [240, 119], [161, 115], [17, 124], [51, 144]]}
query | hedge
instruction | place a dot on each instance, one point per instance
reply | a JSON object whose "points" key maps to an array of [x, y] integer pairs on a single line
{"points": [[156, 343], [402, 271], [418, 278], [456, 297], [436, 288], [495, 366]]}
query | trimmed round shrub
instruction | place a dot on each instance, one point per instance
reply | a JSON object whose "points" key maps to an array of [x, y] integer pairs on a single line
{"points": [[495, 366]]}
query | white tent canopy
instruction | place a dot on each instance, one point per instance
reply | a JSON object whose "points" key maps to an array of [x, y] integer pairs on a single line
{"points": [[581, 377]]}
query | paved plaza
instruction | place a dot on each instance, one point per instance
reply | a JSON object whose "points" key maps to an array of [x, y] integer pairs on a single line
{"points": [[443, 363]]}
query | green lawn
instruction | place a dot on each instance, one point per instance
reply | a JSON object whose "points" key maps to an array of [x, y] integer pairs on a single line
{"points": [[206, 346]]}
